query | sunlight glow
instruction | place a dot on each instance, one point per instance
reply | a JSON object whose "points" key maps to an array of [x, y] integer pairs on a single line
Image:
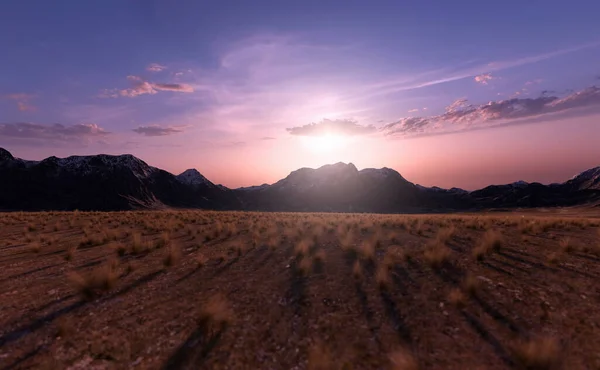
{"points": [[324, 144]]}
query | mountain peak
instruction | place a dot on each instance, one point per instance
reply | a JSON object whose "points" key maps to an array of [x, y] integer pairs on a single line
{"points": [[339, 166], [5, 155], [193, 177]]}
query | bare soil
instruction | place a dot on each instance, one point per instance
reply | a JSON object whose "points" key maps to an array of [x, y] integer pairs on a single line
{"points": [[232, 290]]}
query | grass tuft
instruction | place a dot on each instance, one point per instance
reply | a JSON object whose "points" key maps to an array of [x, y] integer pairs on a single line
{"points": [[216, 313], [457, 298], [538, 354], [89, 285], [172, 256]]}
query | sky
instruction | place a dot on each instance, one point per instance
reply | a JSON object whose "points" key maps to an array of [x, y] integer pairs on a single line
{"points": [[448, 93]]}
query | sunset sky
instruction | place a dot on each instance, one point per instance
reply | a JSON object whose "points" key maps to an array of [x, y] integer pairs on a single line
{"points": [[448, 93]]}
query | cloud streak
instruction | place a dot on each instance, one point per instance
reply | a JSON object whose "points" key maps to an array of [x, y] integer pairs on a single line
{"points": [[23, 101], [155, 67], [39, 134], [156, 130], [445, 75], [345, 127], [143, 87], [463, 116]]}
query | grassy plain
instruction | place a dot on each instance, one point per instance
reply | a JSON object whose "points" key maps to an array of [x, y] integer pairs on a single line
{"points": [[235, 290]]}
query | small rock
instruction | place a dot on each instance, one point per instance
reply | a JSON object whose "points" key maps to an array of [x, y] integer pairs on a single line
{"points": [[137, 361], [441, 304], [483, 278]]}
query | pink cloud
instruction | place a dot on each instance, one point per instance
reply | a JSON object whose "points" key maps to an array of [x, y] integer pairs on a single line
{"points": [[345, 127], [461, 115], [142, 87], [155, 67], [22, 100], [35, 134], [156, 130], [484, 78]]}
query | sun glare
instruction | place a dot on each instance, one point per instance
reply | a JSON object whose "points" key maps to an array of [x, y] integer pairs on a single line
{"points": [[323, 144]]}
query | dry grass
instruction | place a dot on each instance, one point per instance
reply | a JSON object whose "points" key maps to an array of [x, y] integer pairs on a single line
{"points": [[312, 238], [401, 359], [436, 256], [320, 358], [566, 245], [305, 266], [553, 258], [172, 256], [319, 256], [216, 313], [138, 245], [302, 249], [446, 234], [490, 243], [367, 250], [538, 354], [457, 298], [64, 327], [164, 240], [357, 271], [471, 285], [382, 278], [101, 279], [201, 260], [70, 254], [35, 247]]}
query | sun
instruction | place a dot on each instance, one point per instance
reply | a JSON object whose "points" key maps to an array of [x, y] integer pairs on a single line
{"points": [[324, 143]]}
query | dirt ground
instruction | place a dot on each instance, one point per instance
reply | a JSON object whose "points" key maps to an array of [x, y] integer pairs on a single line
{"points": [[233, 290]]}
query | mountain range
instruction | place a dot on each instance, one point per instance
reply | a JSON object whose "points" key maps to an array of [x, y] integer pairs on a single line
{"points": [[107, 182]]}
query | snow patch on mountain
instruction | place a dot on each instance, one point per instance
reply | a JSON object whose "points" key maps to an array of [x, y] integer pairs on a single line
{"points": [[380, 173], [254, 188], [588, 175], [86, 165], [304, 179], [437, 189], [589, 179], [193, 177]]}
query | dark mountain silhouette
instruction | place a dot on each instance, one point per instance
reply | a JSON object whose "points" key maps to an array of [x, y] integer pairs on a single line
{"points": [[101, 182], [106, 182]]}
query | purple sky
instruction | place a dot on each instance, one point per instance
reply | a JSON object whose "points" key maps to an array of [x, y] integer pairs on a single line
{"points": [[447, 93]]}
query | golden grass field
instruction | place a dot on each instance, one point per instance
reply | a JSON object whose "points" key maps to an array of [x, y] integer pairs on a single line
{"points": [[237, 290]]}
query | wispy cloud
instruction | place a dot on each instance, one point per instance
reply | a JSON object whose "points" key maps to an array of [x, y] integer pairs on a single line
{"points": [[155, 67], [39, 134], [267, 138], [484, 78], [142, 87], [462, 116], [156, 130], [22, 100], [344, 127], [446, 75]]}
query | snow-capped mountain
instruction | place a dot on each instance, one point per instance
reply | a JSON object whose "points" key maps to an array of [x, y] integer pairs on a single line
{"points": [[437, 189], [101, 164], [586, 180], [340, 187], [252, 188], [107, 182], [102, 182], [193, 177]]}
